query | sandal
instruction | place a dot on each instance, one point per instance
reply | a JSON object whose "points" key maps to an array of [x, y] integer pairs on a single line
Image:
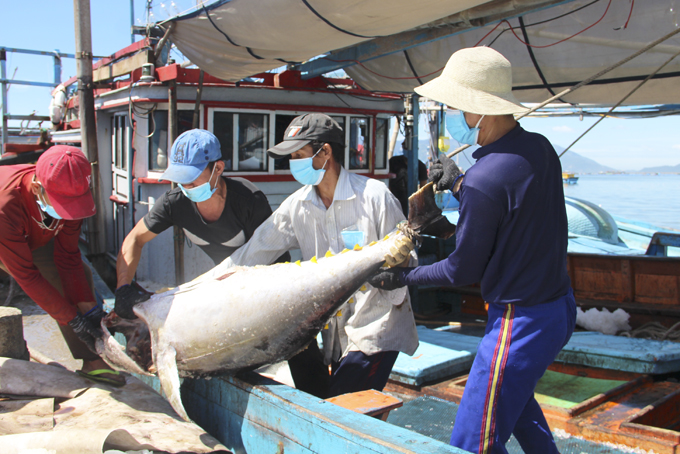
{"points": [[97, 375]]}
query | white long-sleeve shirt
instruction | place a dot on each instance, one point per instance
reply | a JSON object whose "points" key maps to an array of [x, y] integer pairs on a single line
{"points": [[371, 321]]}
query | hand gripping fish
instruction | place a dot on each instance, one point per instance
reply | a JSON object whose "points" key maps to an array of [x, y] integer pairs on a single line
{"points": [[240, 318]]}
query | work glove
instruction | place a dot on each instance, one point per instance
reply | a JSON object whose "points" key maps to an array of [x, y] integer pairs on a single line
{"points": [[95, 315], [126, 297], [387, 279], [86, 331], [399, 253], [444, 173]]}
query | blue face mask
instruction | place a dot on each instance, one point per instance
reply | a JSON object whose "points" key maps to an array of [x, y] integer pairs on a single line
{"points": [[47, 209], [200, 193], [304, 172], [459, 129]]}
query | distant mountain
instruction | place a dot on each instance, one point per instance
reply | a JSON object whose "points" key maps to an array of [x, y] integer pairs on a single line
{"points": [[658, 169], [574, 162]]}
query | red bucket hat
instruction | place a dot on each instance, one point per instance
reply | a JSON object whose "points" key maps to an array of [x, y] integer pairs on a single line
{"points": [[65, 173]]}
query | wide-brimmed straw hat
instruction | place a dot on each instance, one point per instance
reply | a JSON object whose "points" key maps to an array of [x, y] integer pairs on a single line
{"points": [[476, 80]]}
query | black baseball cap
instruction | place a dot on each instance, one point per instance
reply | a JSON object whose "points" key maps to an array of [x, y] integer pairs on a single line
{"points": [[305, 129]]}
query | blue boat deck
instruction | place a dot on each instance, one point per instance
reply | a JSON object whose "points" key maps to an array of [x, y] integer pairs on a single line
{"points": [[443, 353]]}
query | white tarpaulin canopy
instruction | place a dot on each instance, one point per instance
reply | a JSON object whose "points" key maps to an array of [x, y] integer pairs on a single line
{"points": [[561, 65], [550, 49], [233, 39]]}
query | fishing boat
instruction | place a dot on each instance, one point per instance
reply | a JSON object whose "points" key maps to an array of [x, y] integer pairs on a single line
{"points": [[569, 178]]}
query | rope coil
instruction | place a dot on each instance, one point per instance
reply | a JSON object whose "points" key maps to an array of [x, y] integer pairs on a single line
{"points": [[655, 331]]}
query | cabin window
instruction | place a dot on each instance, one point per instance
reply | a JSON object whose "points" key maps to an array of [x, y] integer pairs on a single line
{"points": [[382, 126], [359, 143], [158, 130], [119, 139], [253, 131], [281, 123], [223, 128], [248, 133]]}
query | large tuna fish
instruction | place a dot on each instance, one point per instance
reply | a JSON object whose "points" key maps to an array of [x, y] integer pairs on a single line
{"points": [[237, 319]]}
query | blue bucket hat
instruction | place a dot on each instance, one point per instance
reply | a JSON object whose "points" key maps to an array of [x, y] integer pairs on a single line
{"points": [[190, 155]]}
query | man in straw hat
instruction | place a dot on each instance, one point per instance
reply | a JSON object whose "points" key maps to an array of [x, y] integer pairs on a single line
{"points": [[511, 237]]}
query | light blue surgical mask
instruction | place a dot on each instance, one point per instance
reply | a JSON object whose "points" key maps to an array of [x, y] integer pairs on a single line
{"points": [[202, 192], [304, 172], [459, 129], [46, 208], [351, 236]]}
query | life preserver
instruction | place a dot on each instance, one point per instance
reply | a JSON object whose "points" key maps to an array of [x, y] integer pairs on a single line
{"points": [[57, 104]]}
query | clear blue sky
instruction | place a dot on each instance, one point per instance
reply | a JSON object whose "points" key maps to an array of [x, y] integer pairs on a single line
{"points": [[48, 25]]}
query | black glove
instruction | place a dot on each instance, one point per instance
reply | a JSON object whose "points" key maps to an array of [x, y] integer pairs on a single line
{"points": [[126, 298], [95, 315], [443, 173], [387, 279], [86, 331]]}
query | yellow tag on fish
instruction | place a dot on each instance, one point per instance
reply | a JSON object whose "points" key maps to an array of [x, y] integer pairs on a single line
{"points": [[313, 259], [339, 314], [329, 254]]}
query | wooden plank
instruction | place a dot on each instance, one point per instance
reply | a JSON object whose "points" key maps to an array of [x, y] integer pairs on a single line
{"points": [[369, 402], [122, 67], [629, 279], [132, 48], [253, 414], [612, 420]]}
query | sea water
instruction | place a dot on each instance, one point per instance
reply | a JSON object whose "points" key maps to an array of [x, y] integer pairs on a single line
{"points": [[654, 199]]}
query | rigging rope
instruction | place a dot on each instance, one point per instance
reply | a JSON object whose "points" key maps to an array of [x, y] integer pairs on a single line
{"points": [[585, 81], [619, 103]]}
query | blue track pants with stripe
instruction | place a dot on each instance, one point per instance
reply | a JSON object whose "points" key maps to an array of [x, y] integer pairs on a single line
{"points": [[518, 346]]}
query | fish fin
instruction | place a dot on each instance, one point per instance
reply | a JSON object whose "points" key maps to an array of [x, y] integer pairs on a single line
{"points": [[169, 376], [424, 214], [114, 354]]}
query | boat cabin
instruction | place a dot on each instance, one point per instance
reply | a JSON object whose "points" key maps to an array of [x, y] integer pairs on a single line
{"points": [[134, 120]]}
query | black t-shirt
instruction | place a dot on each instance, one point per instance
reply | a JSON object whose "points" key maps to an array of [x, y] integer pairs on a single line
{"points": [[245, 208]]}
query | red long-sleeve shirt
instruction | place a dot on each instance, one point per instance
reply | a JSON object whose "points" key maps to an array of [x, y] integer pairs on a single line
{"points": [[21, 232]]}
